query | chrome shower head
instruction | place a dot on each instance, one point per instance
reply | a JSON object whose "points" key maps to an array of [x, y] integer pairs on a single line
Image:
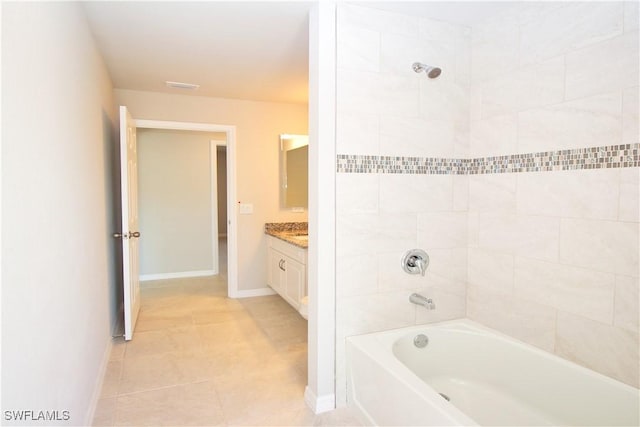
{"points": [[432, 72]]}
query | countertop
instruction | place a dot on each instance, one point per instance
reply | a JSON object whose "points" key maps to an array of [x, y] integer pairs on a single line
{"points": [[291, 232]]}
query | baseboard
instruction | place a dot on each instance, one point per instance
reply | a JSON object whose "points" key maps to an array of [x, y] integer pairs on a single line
{"points": [[179, 275], [97, 389], [319, 404], [248, 293]]}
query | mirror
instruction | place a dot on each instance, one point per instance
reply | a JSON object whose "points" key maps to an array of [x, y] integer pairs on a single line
{"points": [[294, 181]]}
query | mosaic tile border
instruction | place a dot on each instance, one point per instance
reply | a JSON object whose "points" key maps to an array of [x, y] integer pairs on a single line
{"points": [[607, 156]]}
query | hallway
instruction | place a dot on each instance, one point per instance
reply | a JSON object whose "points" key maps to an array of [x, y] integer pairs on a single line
{"points": [[200, 358]]}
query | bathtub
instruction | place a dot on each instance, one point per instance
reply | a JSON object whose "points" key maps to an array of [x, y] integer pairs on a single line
{"points": [[490, 379]]}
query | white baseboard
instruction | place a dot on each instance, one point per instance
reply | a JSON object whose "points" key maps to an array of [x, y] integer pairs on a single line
{"points": [[319, 404], [248, 293], [179, 275], [97, 388]]}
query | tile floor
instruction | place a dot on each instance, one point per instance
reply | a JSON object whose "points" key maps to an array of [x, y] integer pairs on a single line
{"points": [[200, 358]]}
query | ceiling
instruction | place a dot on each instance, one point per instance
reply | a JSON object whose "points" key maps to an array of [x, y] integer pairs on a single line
{"points": [[232, 49]]}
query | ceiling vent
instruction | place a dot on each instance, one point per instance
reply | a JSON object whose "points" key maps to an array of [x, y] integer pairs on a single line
{"points": [[180, 85]]}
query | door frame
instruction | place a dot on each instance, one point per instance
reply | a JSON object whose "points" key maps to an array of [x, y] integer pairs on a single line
{"points": [[215, 209], [232, 219]]}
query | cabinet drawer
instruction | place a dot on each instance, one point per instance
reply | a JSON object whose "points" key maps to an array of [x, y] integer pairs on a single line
{"points": [[292, 251]]}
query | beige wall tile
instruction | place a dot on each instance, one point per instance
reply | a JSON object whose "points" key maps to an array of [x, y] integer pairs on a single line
{"points": [[631, 16], [431, 29], [357, 133], [494, 136], [535, 85], [495, 192], [494, 48], [461, 193], [600, 245], [373, 19], [439, 230], [370, 313], [578, 194], [356, 93], [620, 55], [525, 320], [529, 236], [541, 84], [371, 234], [356, 275], [444, 100], [603, 348], [490, 270], [359, 49], [629, 195], [585, 122], [626, 303], [568, 28], [357, 193], [415, 193], [574, 290], [397, 94], [416, 137], [448, 263], [630, 114]]}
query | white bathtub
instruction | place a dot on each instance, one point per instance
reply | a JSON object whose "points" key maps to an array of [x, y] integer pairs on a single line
{"points": [[490, 378]]}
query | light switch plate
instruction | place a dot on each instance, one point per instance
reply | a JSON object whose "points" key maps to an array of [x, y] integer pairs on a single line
{"points": [[246, 208]]}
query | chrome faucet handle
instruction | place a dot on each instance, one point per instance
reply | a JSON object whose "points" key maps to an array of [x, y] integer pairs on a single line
{"points": [[415, 261]]}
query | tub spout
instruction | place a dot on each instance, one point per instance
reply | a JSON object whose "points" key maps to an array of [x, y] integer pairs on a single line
{"points": [[423, 301]]}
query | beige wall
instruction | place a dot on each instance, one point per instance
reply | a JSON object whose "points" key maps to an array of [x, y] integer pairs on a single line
{"points": [[174, 178], [58, 263], [259, 125]]}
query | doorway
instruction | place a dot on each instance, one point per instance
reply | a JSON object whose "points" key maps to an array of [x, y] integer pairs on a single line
{"points": [[179, 207], [227, 141]]}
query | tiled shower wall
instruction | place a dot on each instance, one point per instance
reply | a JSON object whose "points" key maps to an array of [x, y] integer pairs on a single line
{"points": [[384, 108], [553, 256], [550, 257]]}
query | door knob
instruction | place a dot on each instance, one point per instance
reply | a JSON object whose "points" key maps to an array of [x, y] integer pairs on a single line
{"points": [[135, 234], [120, 236]]}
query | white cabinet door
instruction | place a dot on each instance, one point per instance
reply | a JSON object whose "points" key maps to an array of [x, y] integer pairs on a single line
{"points": [[295, 280], [275, 270], [286, 274]]}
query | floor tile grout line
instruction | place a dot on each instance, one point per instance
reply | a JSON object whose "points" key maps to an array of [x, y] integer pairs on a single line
{"points": [[162, 388]]}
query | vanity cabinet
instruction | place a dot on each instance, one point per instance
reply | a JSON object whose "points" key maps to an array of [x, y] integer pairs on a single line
{"points": [[287, 270]]}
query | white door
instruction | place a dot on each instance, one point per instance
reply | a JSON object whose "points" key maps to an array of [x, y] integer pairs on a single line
{"points": [[130, 232]]}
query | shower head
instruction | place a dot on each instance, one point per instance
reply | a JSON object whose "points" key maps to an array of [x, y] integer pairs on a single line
{"points": [[432, 72]]}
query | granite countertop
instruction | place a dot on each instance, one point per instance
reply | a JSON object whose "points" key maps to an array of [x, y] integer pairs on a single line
{"points": [[295, 233]]}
